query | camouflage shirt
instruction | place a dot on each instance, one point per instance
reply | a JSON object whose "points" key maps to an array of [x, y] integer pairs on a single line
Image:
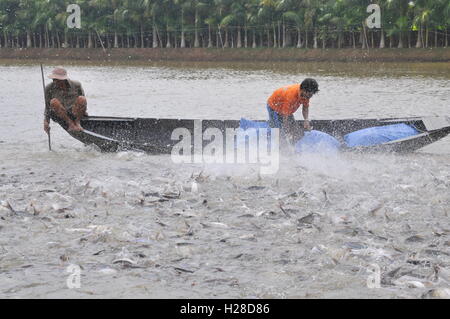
{"points": [[66, 96]]}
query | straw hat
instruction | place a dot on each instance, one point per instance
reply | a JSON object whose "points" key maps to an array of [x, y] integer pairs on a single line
{"points": [[59, 73]]}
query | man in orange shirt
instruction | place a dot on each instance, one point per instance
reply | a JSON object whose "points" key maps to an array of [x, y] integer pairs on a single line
{"points": [[285, 101]]}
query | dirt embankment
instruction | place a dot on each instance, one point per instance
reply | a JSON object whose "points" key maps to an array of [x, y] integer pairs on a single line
{"points": [[223, 55]]}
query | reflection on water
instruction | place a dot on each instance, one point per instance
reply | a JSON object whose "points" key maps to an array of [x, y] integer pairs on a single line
{"points": [[345, 69], [229, 90]]}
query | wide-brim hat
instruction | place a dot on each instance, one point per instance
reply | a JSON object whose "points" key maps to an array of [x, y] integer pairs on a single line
{"points": [[58, 74]]}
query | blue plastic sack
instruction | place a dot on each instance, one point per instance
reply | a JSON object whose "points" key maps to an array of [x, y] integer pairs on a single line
{"points": [[246, 124], [317, 142], [379, 135], [249, 132]]}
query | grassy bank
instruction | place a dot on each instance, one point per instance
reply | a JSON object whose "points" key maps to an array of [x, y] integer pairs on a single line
{"points": [[224, 55]]}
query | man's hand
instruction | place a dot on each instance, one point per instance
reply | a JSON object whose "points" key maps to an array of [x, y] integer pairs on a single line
{"points": [[47, 126], [307, 125]]}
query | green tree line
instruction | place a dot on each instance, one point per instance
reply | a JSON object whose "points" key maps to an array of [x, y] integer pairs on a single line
{"points": [[223, 24]]}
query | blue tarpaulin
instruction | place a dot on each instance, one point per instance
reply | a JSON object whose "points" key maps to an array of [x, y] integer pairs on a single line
{"points": [[317, 142], [379, 135], [246, 124], [247, 134], [313, 141]]}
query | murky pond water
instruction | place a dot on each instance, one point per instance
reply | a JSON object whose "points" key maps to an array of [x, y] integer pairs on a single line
{"points": [[137, 227]]}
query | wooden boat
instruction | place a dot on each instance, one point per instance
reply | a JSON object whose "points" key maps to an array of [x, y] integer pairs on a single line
{"points": [[111, 134]]}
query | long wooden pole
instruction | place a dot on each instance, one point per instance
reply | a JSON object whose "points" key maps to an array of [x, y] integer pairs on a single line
{"points": [[365, 36], [43, 86], [101, 42]]}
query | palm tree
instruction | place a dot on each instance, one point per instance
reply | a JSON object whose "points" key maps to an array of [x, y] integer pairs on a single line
{"points": [[438, 19], [267, 12], [298, 19], [170, 18], [283, 7], [154, 11], [251, 21], [183, 5], [211, 21], [402, 21], [41, 23], [26, 13], [225, 22], [384, 16], [311, 15], [8, 21], [199, 8], [433, 14], [446, 20]]}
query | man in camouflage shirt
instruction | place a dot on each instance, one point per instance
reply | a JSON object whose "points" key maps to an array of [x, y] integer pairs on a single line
{"points": [[65, 102]]}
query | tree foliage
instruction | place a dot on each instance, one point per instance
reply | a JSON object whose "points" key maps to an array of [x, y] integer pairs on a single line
{"points": [[223, 23]]}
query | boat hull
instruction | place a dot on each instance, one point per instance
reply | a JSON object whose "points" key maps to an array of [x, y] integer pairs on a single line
{"points": [[155, 136]]}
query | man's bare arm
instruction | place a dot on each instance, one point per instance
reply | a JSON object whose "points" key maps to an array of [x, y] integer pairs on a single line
{"points": [[305, 112]]}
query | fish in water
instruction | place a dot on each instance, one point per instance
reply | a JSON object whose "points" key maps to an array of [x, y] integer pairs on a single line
{"points": [[107, 271], [13, 212], [438, 293], [125, 262], [415, 239], [194, 187], [256, 188]]}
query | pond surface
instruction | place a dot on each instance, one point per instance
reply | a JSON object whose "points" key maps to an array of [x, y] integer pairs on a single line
{"points": [[138, 227]]}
